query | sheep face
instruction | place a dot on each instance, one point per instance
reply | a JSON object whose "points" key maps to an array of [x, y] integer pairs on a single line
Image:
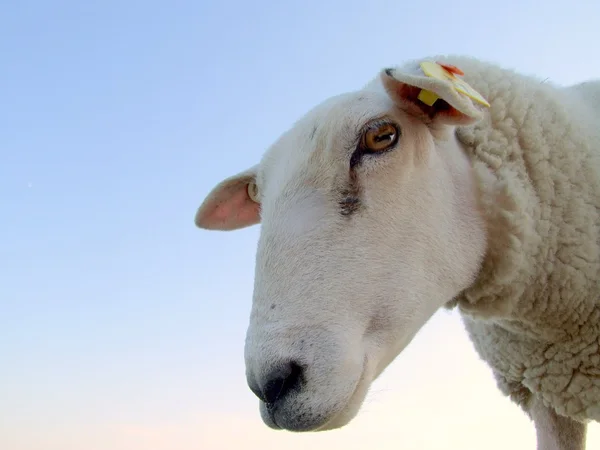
{"points": [[369, 224]]}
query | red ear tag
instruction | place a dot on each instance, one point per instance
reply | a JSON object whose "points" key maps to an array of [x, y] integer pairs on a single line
{"points": [[452, 69]]}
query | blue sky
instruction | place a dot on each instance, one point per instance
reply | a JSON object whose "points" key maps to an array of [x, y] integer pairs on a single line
{"points": [[120, 320]]}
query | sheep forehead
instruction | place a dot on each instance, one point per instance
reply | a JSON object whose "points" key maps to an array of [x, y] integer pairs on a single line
{"points": [[320, 140]]}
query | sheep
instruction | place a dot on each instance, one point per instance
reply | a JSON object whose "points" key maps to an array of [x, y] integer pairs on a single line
{"points": [[445, 182]]}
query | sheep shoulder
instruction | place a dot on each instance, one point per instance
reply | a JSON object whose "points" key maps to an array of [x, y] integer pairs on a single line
{"points": [[533, 314]]}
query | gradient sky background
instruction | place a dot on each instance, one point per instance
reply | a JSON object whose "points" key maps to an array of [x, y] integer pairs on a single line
{"points": [[122, 325]]}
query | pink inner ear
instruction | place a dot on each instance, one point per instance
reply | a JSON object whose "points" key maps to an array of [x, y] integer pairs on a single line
{"points": [[410, 95], [229, 208], [236, 207]]}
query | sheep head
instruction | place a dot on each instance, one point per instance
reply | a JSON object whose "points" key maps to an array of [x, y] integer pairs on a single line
{"points": [[370, 222]]}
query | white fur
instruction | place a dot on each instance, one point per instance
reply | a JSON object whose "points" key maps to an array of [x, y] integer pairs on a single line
{"points": [[342, 295]]}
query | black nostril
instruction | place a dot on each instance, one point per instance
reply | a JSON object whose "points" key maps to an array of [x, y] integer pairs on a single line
{"points": [[279, 382]]}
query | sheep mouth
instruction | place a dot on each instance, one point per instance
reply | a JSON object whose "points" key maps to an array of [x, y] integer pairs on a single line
{"points": [[353, 404], [292, 415]]}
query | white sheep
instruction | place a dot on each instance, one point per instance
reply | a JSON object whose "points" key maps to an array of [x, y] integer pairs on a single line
{"points": [[415, 192]]}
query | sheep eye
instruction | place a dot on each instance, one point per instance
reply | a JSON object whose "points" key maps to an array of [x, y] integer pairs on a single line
{"points": [[380, 137]]}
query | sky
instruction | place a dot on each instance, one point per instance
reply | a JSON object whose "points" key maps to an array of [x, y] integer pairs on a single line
{"points": [[122, 324]]}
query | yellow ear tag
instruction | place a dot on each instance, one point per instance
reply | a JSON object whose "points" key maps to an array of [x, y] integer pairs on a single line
{"points": [[435, 70], [427, 97]]}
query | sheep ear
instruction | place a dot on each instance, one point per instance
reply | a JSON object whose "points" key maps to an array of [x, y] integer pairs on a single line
{"points": [[434, 92], [231, 205]]}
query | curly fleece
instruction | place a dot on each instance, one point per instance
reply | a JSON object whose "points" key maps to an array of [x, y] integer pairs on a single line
{"points": [[533, 313]]}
